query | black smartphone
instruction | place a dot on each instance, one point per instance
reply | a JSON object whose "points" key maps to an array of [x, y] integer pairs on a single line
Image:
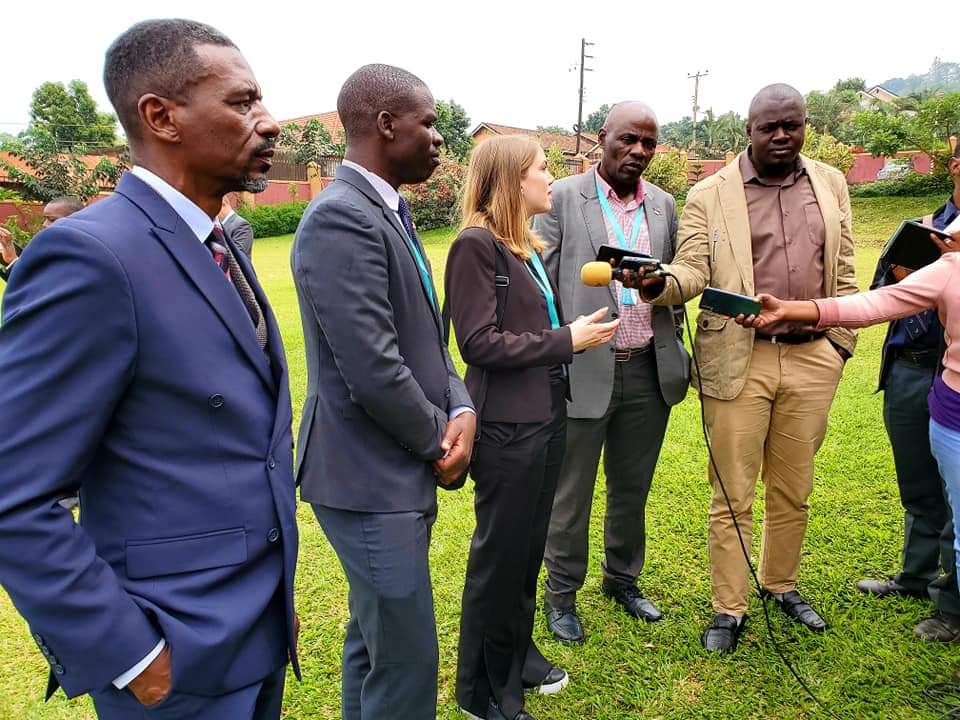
{"points": [[731, 304], [625, 259]]}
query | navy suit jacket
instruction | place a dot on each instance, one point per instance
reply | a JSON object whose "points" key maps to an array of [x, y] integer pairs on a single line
{"points": [[130, 371], [380, 381]]}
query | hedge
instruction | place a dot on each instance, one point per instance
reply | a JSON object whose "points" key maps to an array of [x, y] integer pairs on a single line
{"points": [[270, 220], [910, 185]]}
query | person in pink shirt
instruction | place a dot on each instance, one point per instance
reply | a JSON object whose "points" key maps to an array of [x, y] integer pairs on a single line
{"points": [[935, 286]]}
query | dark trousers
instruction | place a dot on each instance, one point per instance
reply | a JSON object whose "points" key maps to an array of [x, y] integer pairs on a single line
{"points": [[515, 474], [631, 433], [390, 653], [259, 701], [927, 521]]}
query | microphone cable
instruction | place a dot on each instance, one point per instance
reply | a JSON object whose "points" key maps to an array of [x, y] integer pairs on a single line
{"points": [[743, 547]]}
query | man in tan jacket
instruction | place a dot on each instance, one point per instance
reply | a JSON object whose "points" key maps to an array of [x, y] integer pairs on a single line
{"points": [[771, 221]]}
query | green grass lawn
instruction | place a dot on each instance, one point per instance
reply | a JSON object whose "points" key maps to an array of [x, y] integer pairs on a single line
{"points": [[867, 665]]}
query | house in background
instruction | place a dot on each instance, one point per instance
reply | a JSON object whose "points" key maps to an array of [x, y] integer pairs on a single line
{"points": [[878, 93], [589, 143], [331, 122]]}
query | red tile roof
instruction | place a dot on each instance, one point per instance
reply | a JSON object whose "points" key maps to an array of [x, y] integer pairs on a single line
{"points": [[566, 143], [330, 120]]}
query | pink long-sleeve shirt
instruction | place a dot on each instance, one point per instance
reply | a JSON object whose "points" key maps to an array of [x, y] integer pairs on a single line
{"points": [[935, 286]]}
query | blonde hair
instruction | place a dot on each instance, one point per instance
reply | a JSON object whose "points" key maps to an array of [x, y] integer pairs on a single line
{"points": [[492, 197]]}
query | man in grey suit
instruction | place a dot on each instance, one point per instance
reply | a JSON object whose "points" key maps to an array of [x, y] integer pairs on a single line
{"points": [[386, 416], [236, 228], [621, 397]]}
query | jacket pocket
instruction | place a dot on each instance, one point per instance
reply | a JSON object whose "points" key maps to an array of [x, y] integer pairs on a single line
{"points": [[187, 553], [711, 322]]}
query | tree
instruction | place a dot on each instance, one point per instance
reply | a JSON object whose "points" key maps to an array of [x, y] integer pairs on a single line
{"points": [[880, 133], [556, 163], [827, 149], [308, 142], [855, 84], [678, 133], [54, 172], [732, 132], [830, 112], [453, 124], [596, 119], [69, 116], [553, 130]]}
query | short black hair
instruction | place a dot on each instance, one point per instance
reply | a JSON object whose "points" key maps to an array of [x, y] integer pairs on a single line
{"points": [[777, 91], [155, 56], [69, 203], [372, 89]]}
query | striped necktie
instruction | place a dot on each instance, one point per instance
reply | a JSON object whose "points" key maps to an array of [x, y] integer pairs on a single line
{"points": [[223, 257]]}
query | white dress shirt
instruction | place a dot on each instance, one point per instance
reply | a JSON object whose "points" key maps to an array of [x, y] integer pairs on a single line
{"points": [[391, 198], [202, 225]]}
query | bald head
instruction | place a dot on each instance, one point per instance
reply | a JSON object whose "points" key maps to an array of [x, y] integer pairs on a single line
{"points": [[629, 111], [629, 139], [374, 89], [776, 125], [779, 94]]}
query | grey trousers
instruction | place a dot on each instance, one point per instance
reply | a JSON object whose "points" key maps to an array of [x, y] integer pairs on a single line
{"points": [[630, 433], [390, 653], [928, 563]]}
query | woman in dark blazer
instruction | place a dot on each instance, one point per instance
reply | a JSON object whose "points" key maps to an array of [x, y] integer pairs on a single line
{"points": [[511, 333]]}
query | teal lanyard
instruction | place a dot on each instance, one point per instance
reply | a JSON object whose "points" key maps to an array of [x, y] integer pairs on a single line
{"points": [[540, 278], [422, 267], [627, 296]]}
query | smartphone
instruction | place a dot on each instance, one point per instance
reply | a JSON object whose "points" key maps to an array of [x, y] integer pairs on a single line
{"points": [[625, 259], [731, 304]]}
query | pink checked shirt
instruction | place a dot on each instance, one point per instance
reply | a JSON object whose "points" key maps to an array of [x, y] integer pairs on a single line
{"points": [[636, 329]]}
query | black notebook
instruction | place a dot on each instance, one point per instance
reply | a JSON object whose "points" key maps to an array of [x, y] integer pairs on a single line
{"points": [[911, 246]]}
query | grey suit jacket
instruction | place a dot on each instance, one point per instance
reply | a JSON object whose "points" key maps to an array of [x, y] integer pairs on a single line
{"points": [[241, 232], [380, 381], [574, 230]]}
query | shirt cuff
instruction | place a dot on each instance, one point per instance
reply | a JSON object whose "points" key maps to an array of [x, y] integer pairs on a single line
{"points": [[130, 675], [460, 410]]}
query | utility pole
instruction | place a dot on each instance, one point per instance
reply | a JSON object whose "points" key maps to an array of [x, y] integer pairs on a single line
{"points": [[696, 100], [583, 59]]}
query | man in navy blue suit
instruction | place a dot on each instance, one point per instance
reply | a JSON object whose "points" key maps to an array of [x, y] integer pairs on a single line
{"points": [[140, 364]]}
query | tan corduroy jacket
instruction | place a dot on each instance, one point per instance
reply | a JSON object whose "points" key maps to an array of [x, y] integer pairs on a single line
{"points": [[714, 248]]}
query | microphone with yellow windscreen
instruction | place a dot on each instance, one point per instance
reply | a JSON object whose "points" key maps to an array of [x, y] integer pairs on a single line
{"points": [[598, 274]]}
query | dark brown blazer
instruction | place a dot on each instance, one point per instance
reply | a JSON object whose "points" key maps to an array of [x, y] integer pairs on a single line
{"points": [[517, 358]]}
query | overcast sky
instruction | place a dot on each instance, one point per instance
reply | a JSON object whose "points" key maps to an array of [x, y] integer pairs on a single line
{"points": [[506, 62]]}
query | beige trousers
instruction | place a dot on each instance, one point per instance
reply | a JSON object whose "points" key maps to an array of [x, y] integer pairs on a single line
{"points": [[772, 429]]}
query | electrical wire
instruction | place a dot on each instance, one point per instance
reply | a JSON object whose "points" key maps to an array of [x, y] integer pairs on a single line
{"points": [[743, 547]]}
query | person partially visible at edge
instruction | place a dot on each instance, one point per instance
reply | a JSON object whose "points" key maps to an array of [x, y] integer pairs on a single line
{"points": [[140, 364], [773, 221], [620, 396], [517, 374], [56, 209], [386, 417], [236, 228], [912, 353]]}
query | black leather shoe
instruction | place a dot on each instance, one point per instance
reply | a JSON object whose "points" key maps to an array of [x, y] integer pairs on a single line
{"points": [[565, 624], [799, 610], [632, 600], [723, 633], [555, 681], [495, 713], [888, 587], [939, 627]]}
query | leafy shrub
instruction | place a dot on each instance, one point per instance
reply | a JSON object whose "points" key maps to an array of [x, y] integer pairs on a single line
{"points": [[912, 184], [436, 203], [668, 170], [270, 220]]}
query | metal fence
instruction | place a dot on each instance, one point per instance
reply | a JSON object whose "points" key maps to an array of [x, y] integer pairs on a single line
{"points": [[285, 166]]}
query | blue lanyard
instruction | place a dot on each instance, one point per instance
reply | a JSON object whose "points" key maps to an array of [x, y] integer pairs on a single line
{"points": [[422, 267], [627, 296], [544, 284]]}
